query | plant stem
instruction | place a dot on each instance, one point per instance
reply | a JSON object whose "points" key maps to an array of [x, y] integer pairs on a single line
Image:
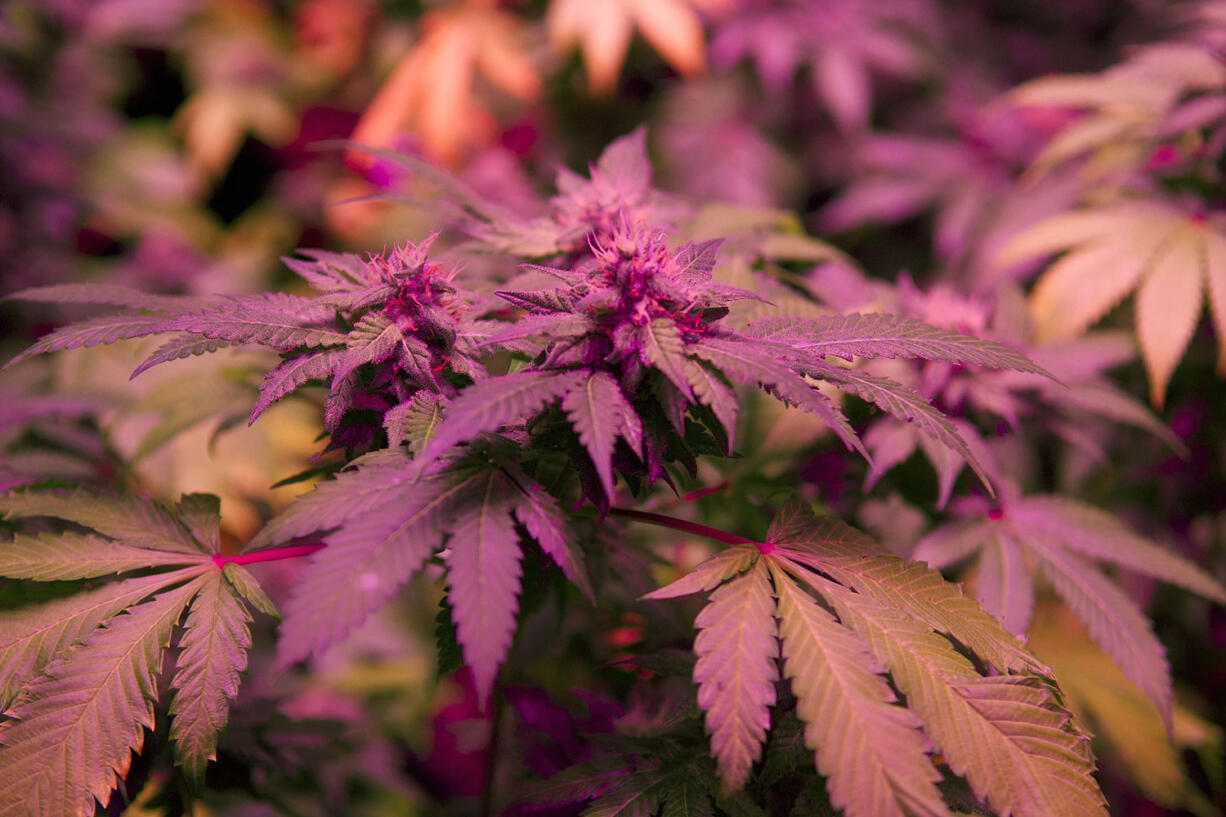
{"points": [[696, 528], [270, 555]]}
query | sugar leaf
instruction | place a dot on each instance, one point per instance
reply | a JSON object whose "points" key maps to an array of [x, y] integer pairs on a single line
{"points": [[281, 322], [715, 394], [73, 729], [663, 347], [415, 421], [490, 404], [599, 412], [289, 375]]}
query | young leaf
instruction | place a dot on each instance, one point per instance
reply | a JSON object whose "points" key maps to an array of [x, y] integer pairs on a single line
{"points": [[496, 402], [415, 421], [599, 413]]}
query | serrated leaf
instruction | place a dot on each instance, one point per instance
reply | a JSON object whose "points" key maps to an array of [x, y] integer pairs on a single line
{"points": [[73, 729], [212, 657], [291, 374], [711, 573], [490, 404], [1018, 751], [32, 636], [179, 347], [663, 347], [1004, 586], [1114, 621], [599, 412], [1123, 717], [736, 671], [136, 522], [373, 340], [742, 362], [93, 332], [415, 421], [369, 482], [869, 748], [366, 560], [275, 320], [1099, 535], [64, 556], [903, 403], [855, 560], [874, 335], [538, 512], [247, 587], [714, 393], [483, 572], [201, 515], [107, 295]]}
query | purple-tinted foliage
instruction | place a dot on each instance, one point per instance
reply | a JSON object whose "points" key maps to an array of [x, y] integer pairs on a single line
{"points": [[381, 329], [1077, 389]]}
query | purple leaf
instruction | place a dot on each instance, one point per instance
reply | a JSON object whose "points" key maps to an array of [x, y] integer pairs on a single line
{"points": [[483, 571], [94, 332], [179, 347], [538, 512], [290, 374]]}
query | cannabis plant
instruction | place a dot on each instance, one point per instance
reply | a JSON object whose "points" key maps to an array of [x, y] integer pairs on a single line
{"points": [[505, 432]]}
